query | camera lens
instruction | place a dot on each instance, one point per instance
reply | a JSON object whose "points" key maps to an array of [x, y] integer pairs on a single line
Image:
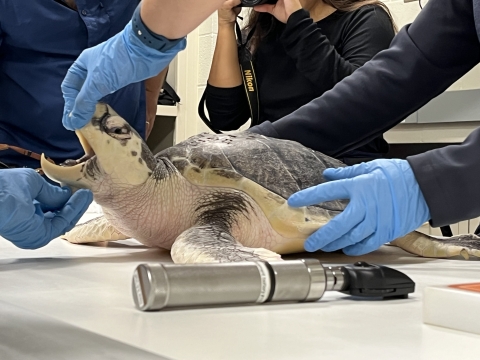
{"points": [[252, 3]]}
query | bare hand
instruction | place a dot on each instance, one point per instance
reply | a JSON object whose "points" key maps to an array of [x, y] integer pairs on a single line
{"points": [[281, 10], [228, 13]]}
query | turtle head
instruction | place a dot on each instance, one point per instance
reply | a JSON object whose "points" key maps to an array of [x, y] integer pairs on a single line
{"points": [[113, 151]]}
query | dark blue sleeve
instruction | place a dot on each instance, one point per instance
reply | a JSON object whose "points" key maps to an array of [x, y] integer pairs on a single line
{"points": [[423, 60], [1, 30], [449, 179]]}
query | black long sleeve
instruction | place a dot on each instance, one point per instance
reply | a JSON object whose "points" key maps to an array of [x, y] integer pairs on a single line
{"points": [[449, 180], [227, 107], [368, 31], [301, 60], [423, 60]]}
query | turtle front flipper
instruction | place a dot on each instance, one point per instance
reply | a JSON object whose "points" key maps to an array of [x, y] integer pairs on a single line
{"points": [[211, 243], [461, 246], [95, 230]]}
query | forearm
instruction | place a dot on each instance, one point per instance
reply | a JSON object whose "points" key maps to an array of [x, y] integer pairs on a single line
{"points": [[153, 86], [225, 70], [174, 19]]}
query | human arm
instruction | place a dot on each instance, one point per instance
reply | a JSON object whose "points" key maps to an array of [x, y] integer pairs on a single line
{"points": [[448, 178], [153, 86], [225, 69], [140, 51], [424, 59], [225, 96], [368, 31], [33, 212], [175, 19]]}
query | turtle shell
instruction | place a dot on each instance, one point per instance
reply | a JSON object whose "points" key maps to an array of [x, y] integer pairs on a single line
{"points": [[267, 169]]}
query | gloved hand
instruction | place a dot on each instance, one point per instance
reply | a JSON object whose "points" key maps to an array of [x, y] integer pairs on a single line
{"points": [[106, 68], [385, 203], [33, 212]]}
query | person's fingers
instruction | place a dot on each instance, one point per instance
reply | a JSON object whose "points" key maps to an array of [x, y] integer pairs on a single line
{"points": [[33, 233], [86, 102], [366, 246], [71, 86], [317, 194], [363, 230], [52, 197], [66, 218], [41, 229], [37, 188], [232, 3], [366, 227], [334, 229], [346, 172], [82, 88]]}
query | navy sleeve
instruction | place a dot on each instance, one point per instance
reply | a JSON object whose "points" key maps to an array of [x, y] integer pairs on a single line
{"points": [[424, 59], [369, 31], [228, 108], [449, 178], [1, 31]]}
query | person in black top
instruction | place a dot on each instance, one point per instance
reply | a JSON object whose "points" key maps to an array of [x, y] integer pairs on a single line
{"points": [[301, 48], [389, 198]]}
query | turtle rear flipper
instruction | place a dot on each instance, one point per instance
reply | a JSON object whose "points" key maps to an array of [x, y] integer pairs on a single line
{"points": [[211, 243], [461, 246], [95, 230]]}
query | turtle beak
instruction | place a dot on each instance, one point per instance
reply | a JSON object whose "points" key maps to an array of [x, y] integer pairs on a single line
{"points": [[67, 174], [86, 146]]}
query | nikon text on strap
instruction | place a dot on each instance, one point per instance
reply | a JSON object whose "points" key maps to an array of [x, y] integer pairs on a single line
{"points": [[249, 82]]}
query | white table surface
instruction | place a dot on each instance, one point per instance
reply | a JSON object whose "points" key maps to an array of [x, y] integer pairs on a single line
{"points": [[88, 286]]}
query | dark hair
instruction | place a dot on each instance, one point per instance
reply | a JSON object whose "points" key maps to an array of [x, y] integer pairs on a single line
{"points": [[265, 24]]}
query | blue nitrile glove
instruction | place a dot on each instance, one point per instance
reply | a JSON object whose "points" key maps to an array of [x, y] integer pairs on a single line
{"points": [[33, 212], [108, 67], [385, 203]]}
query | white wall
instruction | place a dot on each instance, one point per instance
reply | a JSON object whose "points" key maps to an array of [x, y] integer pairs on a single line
{"points": [[405, 13], [193, 66]]}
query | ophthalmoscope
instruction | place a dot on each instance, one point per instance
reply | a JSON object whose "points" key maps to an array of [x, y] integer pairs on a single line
{"points": [[161, 286]]}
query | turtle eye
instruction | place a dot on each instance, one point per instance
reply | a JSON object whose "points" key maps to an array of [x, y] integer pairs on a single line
{"points": [[117, 129], [120, 133]]}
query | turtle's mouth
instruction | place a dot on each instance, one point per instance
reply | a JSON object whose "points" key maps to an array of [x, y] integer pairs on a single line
{"points": [[70, 172], [89, 152]]}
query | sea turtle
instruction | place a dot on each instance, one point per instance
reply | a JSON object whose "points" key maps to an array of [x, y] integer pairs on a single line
{"points": [[210, 198]]}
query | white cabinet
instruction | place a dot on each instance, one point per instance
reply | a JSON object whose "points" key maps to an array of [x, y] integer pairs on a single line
{"points": [[464, 227]]}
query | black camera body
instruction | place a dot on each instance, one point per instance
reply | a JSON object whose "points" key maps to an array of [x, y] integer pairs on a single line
{"points": [[252, 3]]}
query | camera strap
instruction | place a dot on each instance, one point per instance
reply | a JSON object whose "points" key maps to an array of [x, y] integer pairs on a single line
{"points": [[249, 82], [28, 153]]}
